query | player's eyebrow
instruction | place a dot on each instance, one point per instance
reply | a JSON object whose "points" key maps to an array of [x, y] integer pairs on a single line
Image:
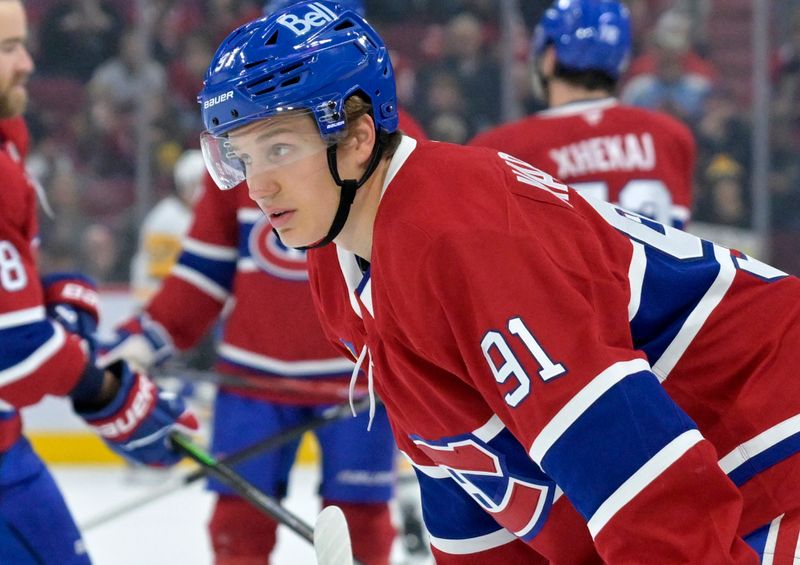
{"points": [[273, 132], [11, 41], [263, 136]]}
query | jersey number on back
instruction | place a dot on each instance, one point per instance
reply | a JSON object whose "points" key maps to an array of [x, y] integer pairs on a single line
{"points": [[510, 365], [650, 198], [12, 271]]}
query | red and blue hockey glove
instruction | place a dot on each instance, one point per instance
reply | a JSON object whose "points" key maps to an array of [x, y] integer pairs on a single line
{"points": [[141, 341], [71, 299], [138, 420]]}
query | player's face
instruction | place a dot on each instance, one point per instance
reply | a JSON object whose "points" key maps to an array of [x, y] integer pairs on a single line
{"points": [[16, 64], [290, 181]]}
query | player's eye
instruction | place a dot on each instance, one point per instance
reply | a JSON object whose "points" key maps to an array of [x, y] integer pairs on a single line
{"points": [[278, 152]]}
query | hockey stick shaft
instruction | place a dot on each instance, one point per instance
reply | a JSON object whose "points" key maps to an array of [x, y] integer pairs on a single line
{"points": [[324, 391], [242, 487], [331, 414], [325, 546]]}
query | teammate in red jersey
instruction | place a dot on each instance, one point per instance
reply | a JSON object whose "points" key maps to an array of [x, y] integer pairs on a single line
{"points": [[573, 383], [640, 159], [46, 348]]}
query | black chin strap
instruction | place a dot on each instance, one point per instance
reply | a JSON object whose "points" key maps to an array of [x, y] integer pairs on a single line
{"points": [[348, 194]]}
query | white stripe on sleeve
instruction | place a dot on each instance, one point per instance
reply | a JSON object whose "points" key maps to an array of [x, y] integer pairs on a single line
{"points": [[473, 545], [199, 280], [643, 477], [21, 317]]}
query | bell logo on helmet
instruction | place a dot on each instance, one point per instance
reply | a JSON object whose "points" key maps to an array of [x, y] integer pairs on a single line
{"points": [[610, 34], [317, 17], [217, 99]]}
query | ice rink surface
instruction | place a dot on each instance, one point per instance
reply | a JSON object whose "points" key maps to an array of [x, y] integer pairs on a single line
{"points": [[172, 529]]}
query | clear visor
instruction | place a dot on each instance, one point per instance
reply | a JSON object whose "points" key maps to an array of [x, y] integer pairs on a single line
{"points": [[261, 147]]}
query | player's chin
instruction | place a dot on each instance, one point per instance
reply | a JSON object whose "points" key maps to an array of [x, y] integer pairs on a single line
{"points": [[14, 102], [292, 237]]}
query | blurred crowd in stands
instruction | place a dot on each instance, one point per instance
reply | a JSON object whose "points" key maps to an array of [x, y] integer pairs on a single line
{"points": [[95, 84]]}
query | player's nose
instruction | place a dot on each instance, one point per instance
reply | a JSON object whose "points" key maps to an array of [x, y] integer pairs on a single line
{"points": [[262, 186], [25, 63]]}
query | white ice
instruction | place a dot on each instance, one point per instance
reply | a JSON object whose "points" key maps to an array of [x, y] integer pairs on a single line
{"points": [[172, 529]]}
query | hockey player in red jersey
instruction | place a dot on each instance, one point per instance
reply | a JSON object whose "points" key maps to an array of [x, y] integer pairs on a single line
{"points": [[639, 159], [270, 331], [573, 383], [46, 348]]}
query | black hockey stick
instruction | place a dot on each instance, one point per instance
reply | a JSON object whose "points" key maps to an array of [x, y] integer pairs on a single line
{"points": [[330, 544], [305, 389], [331, 414]]}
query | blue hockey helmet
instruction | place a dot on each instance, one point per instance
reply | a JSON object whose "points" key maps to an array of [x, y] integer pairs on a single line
{"points": [[275, 5], [311, 56], [588, 35]]}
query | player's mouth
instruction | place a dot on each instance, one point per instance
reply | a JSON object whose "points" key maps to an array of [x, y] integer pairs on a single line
{"points": [[279, 218]]}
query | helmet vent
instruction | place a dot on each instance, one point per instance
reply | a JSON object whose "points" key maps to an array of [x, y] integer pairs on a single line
{"points": [[344, 24], [291, 68], [262, 80], [273, 39], [252, 64], [291, 81]]}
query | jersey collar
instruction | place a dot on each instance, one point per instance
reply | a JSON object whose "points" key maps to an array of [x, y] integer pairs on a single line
{"points": [[358, 283], [579, 107]]}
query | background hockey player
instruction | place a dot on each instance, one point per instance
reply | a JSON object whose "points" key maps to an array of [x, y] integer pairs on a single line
{"points": [[46, 329], [574, 383], [165, 226], [642, 160]]}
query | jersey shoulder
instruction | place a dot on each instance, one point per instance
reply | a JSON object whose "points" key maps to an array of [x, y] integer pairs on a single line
{"points": [[656, 122], [15, 131], [507, 135], [445, 191]]}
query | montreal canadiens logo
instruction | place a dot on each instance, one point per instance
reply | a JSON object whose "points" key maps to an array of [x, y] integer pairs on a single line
{"points": [[271, 255]]}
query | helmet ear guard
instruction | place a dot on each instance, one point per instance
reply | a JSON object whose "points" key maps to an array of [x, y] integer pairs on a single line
{"points": [[588, 35]]}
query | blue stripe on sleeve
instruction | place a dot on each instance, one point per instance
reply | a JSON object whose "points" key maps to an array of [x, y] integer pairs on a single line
{"points": [[449, 512], [670, 292], [766, 459], [244, 238], [613, 438], [20, 342], [221, 272], [758, 539]]}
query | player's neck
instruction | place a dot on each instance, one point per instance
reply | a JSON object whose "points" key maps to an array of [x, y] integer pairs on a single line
{"points": [[561, 93], [356, 236]]}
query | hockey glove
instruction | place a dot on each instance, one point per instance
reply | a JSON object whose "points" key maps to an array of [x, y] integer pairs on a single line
{"points": [[138, 420], [141, 341], [71, 299]]}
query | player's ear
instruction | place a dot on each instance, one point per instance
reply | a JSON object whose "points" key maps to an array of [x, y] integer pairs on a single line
{"points": [[547, 62], [362, 138]]}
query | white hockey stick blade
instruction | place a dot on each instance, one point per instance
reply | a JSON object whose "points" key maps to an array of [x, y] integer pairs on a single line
{"points": [[332, 538]]}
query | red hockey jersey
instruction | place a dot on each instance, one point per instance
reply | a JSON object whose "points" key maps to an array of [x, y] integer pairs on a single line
{"points": [[639, 159], [37, 356], [231, 256], [528, 342]]}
